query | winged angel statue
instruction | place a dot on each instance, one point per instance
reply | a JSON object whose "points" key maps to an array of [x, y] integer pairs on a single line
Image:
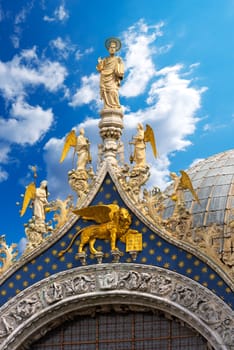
{"points": [[180, 184], [139, 142], [81, 147], [113, 223], [37, 196]]}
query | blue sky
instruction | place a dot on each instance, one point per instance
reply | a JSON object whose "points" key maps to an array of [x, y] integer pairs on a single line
{"points": [[179, 73]]}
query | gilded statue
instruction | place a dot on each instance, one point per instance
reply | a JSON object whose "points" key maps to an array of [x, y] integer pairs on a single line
{"points": [[113, 223], [38, 198], [180, 184], [139, 142], [81, 146], [111, 71]]}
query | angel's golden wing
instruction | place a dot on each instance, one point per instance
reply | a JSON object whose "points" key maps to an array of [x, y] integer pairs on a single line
{"points": [[70, 141], [149, 137], [98, 213], [186, 184], [29, 195]]}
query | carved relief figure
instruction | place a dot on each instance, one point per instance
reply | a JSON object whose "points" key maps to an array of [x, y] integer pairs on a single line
{"points": [[111, 71], [8, 254], [227, 255]]}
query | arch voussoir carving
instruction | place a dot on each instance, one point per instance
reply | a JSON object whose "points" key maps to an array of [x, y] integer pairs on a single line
{"points": [[37, 309]]}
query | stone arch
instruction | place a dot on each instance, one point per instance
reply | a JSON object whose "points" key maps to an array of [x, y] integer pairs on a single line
{"points": [[39, 308]]}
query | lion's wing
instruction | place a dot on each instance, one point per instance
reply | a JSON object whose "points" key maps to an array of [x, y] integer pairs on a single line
{"points": [[98, 213]]}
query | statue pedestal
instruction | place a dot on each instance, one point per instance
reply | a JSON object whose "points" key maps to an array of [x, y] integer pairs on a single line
{"points": [[111, 125], [99, 257], [116, 254], [82, 257]]}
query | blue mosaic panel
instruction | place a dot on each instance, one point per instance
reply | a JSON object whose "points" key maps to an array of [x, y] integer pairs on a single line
{"points": [[156, 251]]}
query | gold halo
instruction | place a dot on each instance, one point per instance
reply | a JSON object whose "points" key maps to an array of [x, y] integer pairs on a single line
{"points": [[115, 40]]}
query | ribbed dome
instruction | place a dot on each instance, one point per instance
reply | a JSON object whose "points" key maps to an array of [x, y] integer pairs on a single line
{"points": [[213, 181]]}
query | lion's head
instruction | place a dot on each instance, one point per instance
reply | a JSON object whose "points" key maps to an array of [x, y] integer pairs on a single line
{"points": [[125, 219]]}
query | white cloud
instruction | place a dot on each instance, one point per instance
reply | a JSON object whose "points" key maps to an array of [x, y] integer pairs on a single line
{"points": [[15, 39], [3, 175], [88, 92], [4, 154], [90, 124], [52, 75], [4, 159], [79, 54], [20, 19], [58, 43], [163, 49], [60, 14], [89, 50], [48, 19], [22, 245], [174, 103], [63, 46], [26, 125], [22, 15], [139, 62], [26, 70], [159, 172], [194, 65], [213, 127], [29, 54]]}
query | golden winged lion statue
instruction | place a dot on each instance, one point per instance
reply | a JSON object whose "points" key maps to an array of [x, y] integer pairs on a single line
{"points": [[113, 223]]}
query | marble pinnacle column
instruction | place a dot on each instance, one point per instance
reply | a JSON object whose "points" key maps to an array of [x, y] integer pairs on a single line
{"points": [[111, 125]]}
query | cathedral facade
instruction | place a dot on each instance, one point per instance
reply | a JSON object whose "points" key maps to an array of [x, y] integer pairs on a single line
{"points": [[123, 267]]}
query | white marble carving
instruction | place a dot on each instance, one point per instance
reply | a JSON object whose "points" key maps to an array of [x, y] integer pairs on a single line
{"points": [[86, 287]]}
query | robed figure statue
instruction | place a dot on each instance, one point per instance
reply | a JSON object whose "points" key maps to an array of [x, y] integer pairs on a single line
{"points": [[111, 70]]}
